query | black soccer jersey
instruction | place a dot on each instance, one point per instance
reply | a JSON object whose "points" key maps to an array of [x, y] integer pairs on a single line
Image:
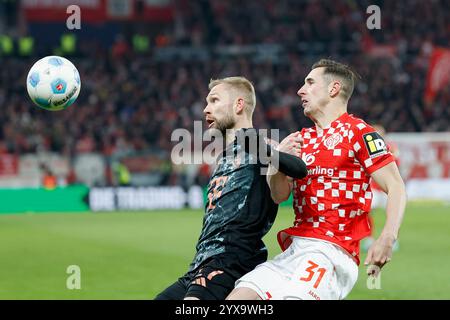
{"points": [[239, 210]]}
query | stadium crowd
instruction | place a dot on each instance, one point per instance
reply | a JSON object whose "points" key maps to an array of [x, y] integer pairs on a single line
{"points": [[133, 101]]}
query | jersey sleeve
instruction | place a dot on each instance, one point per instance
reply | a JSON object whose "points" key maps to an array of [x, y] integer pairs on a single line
{"points": [[370, 148]]}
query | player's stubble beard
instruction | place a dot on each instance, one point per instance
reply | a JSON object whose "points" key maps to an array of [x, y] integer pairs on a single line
{"points": [[228, 122]]}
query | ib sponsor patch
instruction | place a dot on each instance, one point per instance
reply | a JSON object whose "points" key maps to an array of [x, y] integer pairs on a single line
{"points": [[375, 144]]}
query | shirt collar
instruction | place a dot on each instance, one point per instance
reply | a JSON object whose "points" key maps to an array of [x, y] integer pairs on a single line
{"points": [[341, 119]]}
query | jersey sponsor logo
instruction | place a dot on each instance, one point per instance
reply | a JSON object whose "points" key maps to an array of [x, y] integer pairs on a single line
{"points": [[332, 141], [321, 171], [375, 144]]}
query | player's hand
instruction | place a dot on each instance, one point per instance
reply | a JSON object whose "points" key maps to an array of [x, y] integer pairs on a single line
{"points": [[292, 144], [379, 254]]}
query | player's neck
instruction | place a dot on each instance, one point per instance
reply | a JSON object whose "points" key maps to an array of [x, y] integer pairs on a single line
{"points": [[231, 133], [325, 117]]}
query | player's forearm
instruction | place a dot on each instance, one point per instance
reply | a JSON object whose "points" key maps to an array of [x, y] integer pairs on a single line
{"points": [[395, 210], [280, 187]]}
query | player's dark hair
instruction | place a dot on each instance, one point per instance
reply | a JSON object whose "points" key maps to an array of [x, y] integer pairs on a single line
{"points": [[334, 69]]}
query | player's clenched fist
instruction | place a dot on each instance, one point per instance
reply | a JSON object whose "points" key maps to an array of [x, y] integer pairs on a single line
{"points": [[292, 144]]}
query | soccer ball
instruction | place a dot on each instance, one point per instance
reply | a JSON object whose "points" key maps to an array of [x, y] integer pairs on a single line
{"points": [[53, 83]]}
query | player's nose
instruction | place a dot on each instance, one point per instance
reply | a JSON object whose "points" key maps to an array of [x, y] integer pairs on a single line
{"points": [[301, 92], [206, 110]]}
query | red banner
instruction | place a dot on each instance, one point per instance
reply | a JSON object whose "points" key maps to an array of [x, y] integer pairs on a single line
{"points": [[56, 10], [382, 51], [156, 10], [423, 155], [438, 73], [98, 11]]}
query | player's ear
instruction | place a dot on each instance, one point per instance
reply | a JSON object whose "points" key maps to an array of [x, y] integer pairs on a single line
{"points": [[239, 106], [334, 88]]}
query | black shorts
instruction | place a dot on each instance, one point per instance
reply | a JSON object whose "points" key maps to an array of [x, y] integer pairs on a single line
{"points": [[210, 281]]}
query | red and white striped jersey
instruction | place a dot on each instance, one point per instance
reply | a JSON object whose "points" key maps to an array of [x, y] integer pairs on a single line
{"points": [[332, 202]]}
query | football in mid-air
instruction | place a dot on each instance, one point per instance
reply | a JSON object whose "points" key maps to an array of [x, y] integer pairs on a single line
{"points": [[53, 83]]}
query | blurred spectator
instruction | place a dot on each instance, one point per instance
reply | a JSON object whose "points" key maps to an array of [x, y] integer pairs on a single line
{"points": [[49, 180], [122, 174]]}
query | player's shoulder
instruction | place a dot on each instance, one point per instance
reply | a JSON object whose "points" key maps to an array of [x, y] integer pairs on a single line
{"points": [[359, 124]]}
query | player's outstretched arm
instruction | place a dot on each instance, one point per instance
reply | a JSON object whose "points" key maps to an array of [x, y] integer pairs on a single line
{"points": [[390, 181], [284, 160], [292, 166]]}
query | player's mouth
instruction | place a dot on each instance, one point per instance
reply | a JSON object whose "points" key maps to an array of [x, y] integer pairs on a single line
{"points": [[210, 122], [304, 103]]}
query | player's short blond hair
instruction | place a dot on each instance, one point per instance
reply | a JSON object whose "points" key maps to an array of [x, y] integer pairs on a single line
{"points": [[241, 85]]}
